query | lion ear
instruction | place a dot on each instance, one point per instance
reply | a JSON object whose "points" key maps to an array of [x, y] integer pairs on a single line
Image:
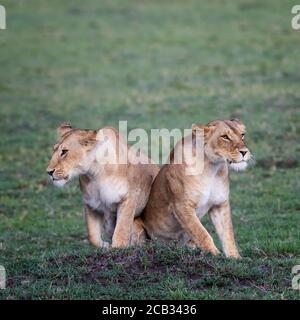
{"points": [[63, 129], [203, 129], [89, 139], [239, 124]]}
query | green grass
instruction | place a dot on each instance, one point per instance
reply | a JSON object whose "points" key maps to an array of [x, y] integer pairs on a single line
{"points": [[156, 64]]}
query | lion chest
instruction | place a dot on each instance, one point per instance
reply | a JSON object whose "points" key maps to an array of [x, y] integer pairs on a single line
{"points": [[211, 194], [106, 195]]}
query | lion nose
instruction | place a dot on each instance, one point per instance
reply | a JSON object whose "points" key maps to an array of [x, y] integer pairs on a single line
{"points": [[50, 172], [243, 153]]}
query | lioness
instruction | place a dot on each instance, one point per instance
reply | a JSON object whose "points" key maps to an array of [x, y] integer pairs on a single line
{"points": [[113, 194], [178, 201]]}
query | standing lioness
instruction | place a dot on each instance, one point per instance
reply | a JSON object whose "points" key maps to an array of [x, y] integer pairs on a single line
{"points": [[178, 201], [113, 193]]}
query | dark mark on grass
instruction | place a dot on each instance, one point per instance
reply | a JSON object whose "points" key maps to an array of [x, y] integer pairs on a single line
{"points": [[277, 164]]}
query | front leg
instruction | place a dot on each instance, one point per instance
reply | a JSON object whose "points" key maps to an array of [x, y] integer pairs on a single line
{"points": [[221, 219], [95, 225], [123, 230], [186, 216]]}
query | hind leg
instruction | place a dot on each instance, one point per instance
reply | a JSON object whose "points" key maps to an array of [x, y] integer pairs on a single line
{"points": [[139, 235]]}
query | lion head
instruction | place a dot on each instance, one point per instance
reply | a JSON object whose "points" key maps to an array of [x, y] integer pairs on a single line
{"points": [[224, 140], [71, 155]]}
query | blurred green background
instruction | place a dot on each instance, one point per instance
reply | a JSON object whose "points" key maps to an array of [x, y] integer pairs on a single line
{"points": [[155, 64]]}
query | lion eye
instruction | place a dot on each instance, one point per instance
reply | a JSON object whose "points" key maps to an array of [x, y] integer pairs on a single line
{"points": [[225, 137], [243, 136], [63, 152]]}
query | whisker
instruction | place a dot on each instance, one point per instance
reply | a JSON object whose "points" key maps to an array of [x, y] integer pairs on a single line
{"points": [[252, 161]]}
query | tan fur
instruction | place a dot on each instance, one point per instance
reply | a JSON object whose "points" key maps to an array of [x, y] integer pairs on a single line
{"points": [[113, 194], [178, 201]]}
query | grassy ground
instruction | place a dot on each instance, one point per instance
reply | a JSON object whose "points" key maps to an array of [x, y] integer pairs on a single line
{"points": [[156, 64]]}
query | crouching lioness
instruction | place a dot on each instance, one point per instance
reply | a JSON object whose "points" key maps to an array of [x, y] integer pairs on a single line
{"points": [[114, 193], [178, 200]]}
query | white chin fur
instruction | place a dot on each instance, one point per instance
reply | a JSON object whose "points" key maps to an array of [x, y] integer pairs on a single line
{"points": [[59, 183], [238, 166]]}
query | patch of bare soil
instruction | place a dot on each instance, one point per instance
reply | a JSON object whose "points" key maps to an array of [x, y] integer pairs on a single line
{"points": [[150, 265]]}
